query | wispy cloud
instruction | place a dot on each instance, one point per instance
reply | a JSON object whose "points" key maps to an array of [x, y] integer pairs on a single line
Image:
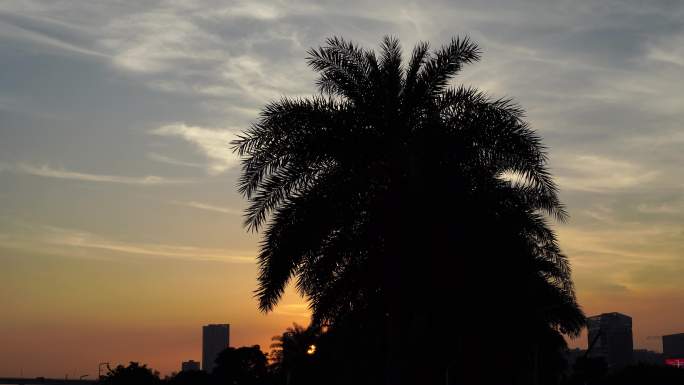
{"points": [[47, 33], [668, 50], [208, 207], [60, 240], [661, 208], [599, 174], [59, 173], [168, 160], [156, 48], [293, 310], [213, 143]]}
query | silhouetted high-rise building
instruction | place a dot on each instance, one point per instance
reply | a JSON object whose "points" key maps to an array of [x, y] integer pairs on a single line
{"points": [[610, 337], [189, 366], [215, 339], [673, 345]]}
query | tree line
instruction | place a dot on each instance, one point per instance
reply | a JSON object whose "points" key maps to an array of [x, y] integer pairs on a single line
{"points": [[305, 356]]}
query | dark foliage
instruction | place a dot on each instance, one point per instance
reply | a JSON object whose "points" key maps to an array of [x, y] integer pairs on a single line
{"points": [[192, 377], [133, 374], [647, 374], [413, 217], [293, 360], [240, 366], [589, 370], [594, 372]]}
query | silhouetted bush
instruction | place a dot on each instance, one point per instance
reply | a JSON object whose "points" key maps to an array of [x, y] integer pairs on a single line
{"points": [[240, 366], [133, 374], [193, 377], [647, 374]]}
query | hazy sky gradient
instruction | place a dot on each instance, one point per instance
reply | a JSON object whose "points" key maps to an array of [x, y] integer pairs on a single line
{"points": [[120, 228]]}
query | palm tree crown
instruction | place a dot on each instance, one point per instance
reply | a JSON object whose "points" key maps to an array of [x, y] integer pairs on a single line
{"points": [[393, 193]]}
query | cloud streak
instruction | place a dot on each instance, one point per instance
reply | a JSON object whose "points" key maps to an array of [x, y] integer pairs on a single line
{"points": [[299, 310], [599, 174], [208, 207], [169, 160], [47, 171], [61, 241], [47, 33]]}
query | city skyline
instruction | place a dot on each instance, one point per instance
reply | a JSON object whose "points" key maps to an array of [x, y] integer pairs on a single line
{"points": [[120, 224], [676, 345]]}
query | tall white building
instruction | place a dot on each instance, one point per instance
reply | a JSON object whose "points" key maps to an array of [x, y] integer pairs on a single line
{"points": [[215, 339]]}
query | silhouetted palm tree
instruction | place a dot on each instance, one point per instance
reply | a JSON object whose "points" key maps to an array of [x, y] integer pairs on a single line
{"points": [[292, 353], [293, 343], [394, 196]]}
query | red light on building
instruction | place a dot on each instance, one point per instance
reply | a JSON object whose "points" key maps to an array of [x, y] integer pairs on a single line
{"points": [[676, 362]]}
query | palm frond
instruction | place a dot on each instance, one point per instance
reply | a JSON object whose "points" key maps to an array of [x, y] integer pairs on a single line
{"points": [[445, 63], [289, 237], [344, 69], [501, 141], [418, 57]]}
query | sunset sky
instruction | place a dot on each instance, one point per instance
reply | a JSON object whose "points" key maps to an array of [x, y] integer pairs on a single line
{"points": [[120, 224]]}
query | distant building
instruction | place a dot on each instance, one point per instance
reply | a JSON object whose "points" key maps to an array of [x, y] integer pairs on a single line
{"points": [[215, 339], [189, 366], [673, 346], [610, 338], [644, 356]]}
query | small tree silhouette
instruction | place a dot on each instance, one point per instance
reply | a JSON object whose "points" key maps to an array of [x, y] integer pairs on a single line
{"points": [[240, 366]]}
